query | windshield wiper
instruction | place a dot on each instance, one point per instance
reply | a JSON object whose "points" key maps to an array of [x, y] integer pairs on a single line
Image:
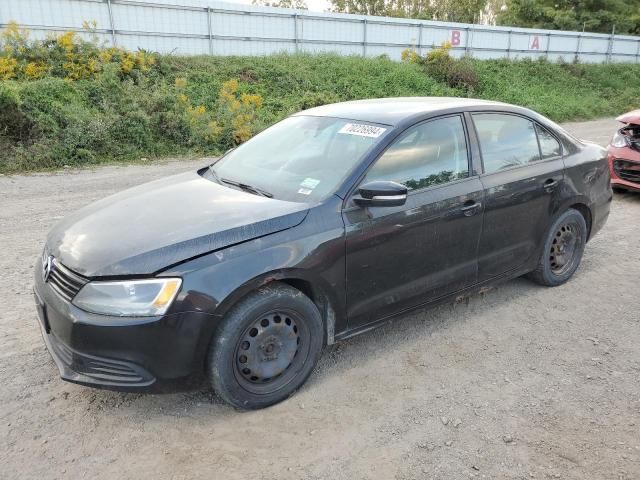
{"points": [[246, 187]]}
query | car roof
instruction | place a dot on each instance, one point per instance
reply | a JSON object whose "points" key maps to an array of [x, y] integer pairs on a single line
{"points": [[391, 111]]}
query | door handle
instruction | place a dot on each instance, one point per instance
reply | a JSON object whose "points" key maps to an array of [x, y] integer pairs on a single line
{"points": [[470, 208], [550, 185]]}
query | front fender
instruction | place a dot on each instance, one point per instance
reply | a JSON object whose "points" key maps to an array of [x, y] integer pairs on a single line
{"points": [[311, 253]]}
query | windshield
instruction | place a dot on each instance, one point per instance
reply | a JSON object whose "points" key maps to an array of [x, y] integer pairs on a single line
{"points": [[300, 159]]}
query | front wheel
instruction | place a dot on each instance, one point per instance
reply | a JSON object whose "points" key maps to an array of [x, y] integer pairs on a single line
{"points": [[266, 347], [562, 251]]}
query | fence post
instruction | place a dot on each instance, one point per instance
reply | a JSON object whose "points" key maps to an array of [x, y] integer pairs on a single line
{"points": [[467, 33], [577, 57], [209, 29], [111, 25], [295, 31], [364, 37], [610, 48], [509, 45], [546, 52], [420, 39]]}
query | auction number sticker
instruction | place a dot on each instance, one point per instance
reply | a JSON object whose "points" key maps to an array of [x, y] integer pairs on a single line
{"points": [[310, 183], [362, 130]]}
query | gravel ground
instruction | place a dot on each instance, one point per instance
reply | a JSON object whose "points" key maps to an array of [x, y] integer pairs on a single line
{"points": [[520, 382]]}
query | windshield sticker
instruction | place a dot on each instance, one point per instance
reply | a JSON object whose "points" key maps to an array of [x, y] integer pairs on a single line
{"points": [[362, 130], [310, 183], [305, 191]]}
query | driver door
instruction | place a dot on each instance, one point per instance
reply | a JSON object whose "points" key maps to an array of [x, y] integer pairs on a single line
{"points": [[404, 256]]}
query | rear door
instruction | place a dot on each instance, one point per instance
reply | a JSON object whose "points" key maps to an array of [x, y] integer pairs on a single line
{"points": [[522, 177], [400, 257]]}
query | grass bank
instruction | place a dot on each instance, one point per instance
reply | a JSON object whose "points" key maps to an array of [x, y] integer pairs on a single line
{"points": [[75, 103]]}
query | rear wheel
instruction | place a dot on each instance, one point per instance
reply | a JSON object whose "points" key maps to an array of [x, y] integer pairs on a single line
{"points": [[562, 251], [266, 347]]}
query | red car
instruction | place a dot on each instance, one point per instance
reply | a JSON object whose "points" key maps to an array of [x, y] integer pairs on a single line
{"points": [[624, 153]]}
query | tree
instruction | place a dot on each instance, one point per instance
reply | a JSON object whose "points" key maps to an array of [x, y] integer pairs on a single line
{"points": [[446, 10], [297, 4], [589, 15]]}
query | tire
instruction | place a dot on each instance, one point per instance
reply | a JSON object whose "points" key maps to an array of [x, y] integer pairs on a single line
{"points": [[563, 248], [266, 347]]}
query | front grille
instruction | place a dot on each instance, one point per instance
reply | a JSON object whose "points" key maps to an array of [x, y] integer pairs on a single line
{"points": [[629, 171], [105, 370], [64, 281], [109, 370]]}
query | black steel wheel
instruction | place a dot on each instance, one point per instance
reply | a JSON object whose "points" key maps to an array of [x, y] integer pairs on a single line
{"points": [[266, 347], [564, 246], [563, 249]]}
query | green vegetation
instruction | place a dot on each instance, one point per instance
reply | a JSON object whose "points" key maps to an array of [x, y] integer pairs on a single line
{"points": [[589, 15], [68, 102], [578, 15], [466, 11]]}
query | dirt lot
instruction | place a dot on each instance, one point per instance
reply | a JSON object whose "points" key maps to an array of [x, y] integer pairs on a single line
{"points": [[521, 382]]}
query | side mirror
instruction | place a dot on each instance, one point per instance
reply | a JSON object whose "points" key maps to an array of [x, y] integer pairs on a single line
{"points": [[381, 194]]}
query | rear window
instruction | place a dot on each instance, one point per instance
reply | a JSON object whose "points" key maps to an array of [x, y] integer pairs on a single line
{"points": [[549, 146], [505, 141]]}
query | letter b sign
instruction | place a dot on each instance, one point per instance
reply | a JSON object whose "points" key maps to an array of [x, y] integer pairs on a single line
{"points": [[455, 38]]}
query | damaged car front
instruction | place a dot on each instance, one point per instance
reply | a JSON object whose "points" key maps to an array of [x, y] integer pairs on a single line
{"points": [[624, 153]]}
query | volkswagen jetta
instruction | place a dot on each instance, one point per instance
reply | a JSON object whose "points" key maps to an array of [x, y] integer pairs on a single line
{"points": [[320, 227]]}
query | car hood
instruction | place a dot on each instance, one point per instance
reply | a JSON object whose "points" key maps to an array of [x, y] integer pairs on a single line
{"points": [[150, 227], [631, 117]]}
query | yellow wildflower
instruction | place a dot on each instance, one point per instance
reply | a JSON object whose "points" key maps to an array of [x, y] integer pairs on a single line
{"points": [[34, 70], [105, 56], [7, 67], [66, 41], [127, 63]]}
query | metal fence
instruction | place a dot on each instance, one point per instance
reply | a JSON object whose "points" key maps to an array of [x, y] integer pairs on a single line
{"points": [[196, 27]]}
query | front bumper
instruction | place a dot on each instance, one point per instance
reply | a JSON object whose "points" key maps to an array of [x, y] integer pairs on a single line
{"points": [[163, 353], [624, 165]]}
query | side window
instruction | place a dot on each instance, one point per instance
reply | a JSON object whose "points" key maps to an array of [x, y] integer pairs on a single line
{"points": [[549, 146], [427, 154], [505, 140]]}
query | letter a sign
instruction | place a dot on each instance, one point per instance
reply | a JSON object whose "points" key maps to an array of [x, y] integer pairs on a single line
{"points": [[535, 43]]}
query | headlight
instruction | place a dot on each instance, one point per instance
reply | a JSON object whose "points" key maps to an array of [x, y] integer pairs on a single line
{"points": [[135, 298], [619, 140]]}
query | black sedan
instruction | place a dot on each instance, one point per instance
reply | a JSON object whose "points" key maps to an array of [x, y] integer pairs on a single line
{"points": [[321, 227]]}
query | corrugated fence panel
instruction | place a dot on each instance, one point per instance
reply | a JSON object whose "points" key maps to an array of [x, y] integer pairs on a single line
{"points": [[563, 47], [58, 14], [389, 34], [317, 29], [435, 36], [175, 45], [194, 27], [625, 46], [135, 18], [253, 26]]}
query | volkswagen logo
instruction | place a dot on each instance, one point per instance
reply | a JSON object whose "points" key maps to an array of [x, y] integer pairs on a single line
{"points": [[47, 266]]}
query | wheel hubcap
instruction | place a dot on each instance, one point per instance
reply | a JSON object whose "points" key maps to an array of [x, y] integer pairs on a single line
{"points": [[268, 347], [563, 248]]}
